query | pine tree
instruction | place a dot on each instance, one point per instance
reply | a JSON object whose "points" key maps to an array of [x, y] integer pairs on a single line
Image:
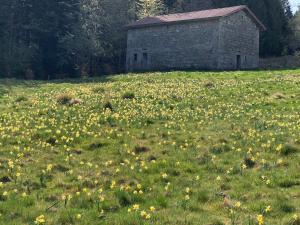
{"points": [[295, 24]]}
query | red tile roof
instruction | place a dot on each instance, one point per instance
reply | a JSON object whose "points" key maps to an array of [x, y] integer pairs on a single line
{"points": [[196, 15]]}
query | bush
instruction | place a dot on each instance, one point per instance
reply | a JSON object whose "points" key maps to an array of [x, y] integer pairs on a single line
{"points": [[21, 99], [108, 105], [128, 95], [141, 149], [64, 99], [290, 149], [124, 198], [249, 162], [220, 148]]}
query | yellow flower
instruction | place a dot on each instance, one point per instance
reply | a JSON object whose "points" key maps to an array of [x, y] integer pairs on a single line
{"points": [[268, 208], [143, 213], [10, 164], [295, 217], [260, 219], [101, 198], [40, 219], [279, 148], [152, 208], [78, 216], [49, 167], [237, 204], [113, 184], [187, 197], [136, 207], [164, 175]]}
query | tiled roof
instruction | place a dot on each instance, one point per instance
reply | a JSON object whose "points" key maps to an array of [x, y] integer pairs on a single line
{"points": [[196, 15]]}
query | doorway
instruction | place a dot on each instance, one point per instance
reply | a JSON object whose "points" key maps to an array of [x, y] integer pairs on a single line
{"points": [[238, 62]]}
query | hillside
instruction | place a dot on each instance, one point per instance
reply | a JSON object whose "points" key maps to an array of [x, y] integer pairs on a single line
{"points": [[164, 148]]}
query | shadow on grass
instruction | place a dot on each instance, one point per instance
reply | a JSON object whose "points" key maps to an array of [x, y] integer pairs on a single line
{"points": [[9, 83]]}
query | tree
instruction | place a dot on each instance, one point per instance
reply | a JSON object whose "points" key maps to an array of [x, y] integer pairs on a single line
{"points": [[295, 24], [146, 8], [287, 9]]}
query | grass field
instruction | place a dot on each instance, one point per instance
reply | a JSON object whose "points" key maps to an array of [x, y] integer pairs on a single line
{"points": [[178, 148]]}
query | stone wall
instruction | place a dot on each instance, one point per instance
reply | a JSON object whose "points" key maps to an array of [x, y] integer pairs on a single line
{"points": [[239, 36], [211, 45], [186, 45]]}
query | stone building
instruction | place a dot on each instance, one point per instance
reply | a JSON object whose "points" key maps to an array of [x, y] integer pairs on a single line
{"points": [[216, 39]]}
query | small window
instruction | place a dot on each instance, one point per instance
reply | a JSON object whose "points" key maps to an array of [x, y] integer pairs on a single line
{"points": [[145, 57], [135, 57]]}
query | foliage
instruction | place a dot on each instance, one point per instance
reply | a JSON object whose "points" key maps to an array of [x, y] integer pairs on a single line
{"points": [[146, 8]]}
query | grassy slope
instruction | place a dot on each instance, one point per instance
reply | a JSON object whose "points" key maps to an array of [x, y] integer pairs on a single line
{"points": [[196, 132]]}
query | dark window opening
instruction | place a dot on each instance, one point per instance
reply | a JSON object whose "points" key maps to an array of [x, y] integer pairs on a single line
{"points": [[145, 57], [238, 62], [135, 57]]}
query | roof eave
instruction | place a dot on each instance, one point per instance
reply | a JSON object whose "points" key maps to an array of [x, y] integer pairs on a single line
{"points": [[129, 27]]}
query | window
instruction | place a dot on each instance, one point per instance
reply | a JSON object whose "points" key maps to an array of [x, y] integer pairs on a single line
{"points": [[238, 62], [145, 57], [135, 56]]}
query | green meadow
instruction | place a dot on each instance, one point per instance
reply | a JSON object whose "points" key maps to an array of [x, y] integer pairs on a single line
{"points": [[177, 148]]}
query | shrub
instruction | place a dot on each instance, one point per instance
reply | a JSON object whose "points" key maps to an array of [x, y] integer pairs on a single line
{"points": [[124, 198], [128, 95], [64, 99], [220, 148], [96, 145], [21, 99], [249, 162], [290, 149], [209, 84], [108, 105], [141, 149]]}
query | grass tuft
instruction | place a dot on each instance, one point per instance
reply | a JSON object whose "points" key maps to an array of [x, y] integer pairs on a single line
{"points": [[128, 95], [64, 99]]}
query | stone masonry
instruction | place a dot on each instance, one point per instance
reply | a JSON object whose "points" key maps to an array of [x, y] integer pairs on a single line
{"points": [[222, 43]]}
